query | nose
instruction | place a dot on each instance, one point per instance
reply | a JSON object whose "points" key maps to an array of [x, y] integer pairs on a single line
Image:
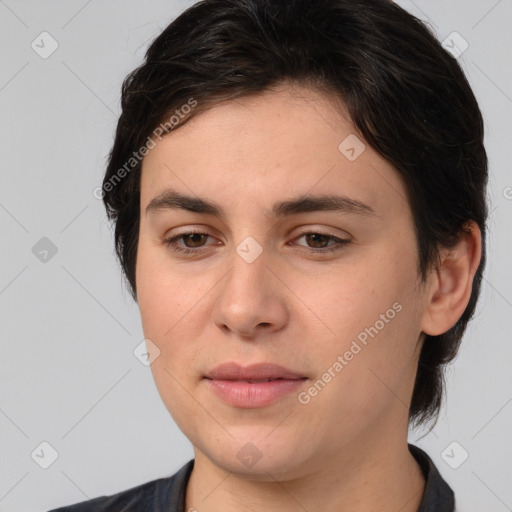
{"points": [[252, 299]]}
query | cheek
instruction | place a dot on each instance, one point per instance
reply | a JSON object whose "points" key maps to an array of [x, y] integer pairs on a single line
{"points": [[353, 300], [373, 312], [166, 295], [166, 304], [169, 319], [365, 376]]}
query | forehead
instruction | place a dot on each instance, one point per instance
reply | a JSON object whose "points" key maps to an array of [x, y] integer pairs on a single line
{"points": [[260, 149]]}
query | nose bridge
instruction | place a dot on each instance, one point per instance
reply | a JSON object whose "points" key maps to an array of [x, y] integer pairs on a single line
{"points": [[248, 276], [251, 294]]}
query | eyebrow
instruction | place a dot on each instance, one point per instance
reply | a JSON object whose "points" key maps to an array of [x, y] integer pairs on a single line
{"points": [[173, 200]]}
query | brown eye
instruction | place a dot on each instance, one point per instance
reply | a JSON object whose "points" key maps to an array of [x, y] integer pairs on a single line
{"points": [[320, 243], [194, 239], [188, 243], [318, 240]]}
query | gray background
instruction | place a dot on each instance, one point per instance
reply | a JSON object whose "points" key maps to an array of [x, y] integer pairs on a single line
{"points": [[68, 327]]}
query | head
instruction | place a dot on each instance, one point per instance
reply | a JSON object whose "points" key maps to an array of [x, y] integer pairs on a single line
{"points": [[253, 106]]}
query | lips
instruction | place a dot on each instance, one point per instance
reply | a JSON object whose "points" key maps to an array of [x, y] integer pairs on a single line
{"points": [[262, 372], [253, 386]]}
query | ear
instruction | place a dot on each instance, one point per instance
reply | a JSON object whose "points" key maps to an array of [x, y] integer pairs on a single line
{"points": [[451, 284]]}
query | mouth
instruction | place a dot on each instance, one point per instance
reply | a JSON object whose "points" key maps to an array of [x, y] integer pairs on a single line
{"points": [[254, 381], [253, 386], [261, 372]]}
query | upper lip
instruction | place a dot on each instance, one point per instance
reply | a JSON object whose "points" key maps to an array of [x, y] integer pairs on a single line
{"points": [[259, 371]]}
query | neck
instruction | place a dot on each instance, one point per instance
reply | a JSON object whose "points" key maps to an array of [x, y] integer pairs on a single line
{"points": [[372, 473]]}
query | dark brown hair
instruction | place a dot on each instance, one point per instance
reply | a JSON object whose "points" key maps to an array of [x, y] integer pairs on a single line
{"points": [[406, 95]]}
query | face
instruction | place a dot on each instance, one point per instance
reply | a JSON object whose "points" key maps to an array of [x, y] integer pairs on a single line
{"points": [[243, 275]]}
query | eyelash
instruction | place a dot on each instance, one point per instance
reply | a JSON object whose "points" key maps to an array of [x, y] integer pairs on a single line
{"points": [[340, 242]]}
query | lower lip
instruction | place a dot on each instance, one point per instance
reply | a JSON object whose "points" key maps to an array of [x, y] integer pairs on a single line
{"points": [[252, 395]]}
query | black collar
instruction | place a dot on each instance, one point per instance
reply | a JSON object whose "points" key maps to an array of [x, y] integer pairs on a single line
{"points": [[438, 496]]}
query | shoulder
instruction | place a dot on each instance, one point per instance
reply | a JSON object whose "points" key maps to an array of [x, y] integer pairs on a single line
{"points": [[151, 496]]}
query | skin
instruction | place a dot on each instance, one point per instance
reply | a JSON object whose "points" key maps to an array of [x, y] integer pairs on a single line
{"points": [[347, 448]]}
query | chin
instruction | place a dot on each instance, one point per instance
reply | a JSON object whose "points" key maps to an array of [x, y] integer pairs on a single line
{"points": [[255, 457], [279, 468]]}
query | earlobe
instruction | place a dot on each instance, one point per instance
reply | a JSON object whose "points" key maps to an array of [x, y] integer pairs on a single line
{"points": [[451, 283]]}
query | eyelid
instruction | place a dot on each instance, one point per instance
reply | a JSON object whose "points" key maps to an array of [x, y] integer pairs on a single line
{"points": [[196, 230], [301, 231], [322, 230], [339, 242]]}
